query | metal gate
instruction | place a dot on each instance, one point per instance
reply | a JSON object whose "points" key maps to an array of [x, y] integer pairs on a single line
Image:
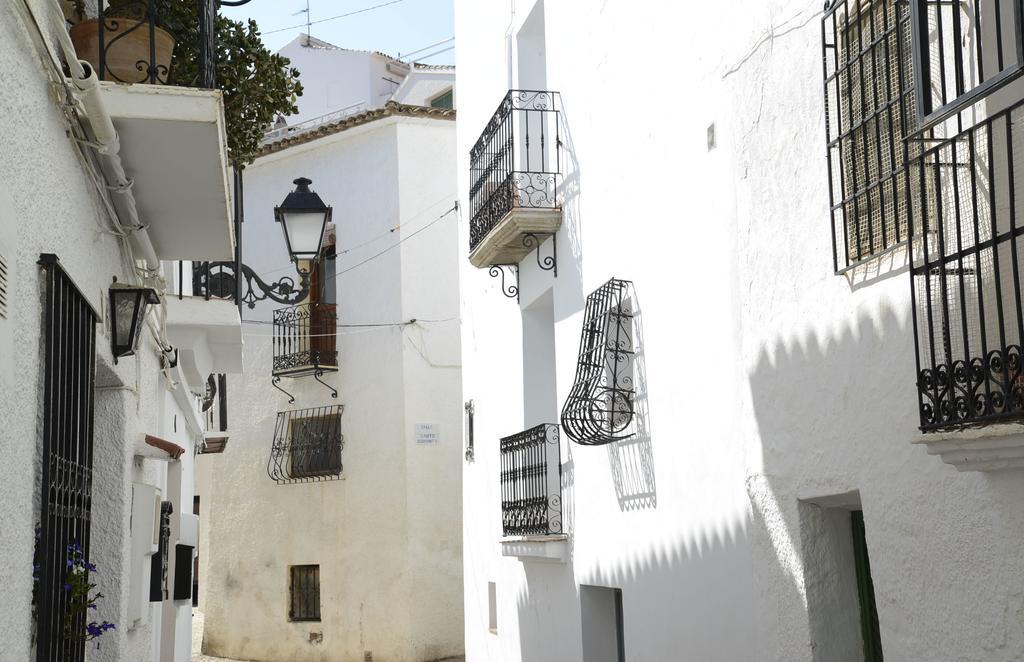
{"points": [[69, 327]]}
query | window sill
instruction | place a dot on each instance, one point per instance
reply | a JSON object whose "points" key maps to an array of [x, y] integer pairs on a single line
{"points": [[993, 447], [547, 549]]}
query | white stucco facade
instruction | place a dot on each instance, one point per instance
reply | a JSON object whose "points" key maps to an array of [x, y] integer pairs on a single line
{"points": [[49, 203], [773, 394], [386, 533]]}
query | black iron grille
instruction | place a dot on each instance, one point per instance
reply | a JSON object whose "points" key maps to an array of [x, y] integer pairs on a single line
{"points": [[967, 275], [965, 51], [69, 368], [531, 482], [599, 408], [307, 445], [304, 593], [305, 339], [870, 109], [516, 160]]}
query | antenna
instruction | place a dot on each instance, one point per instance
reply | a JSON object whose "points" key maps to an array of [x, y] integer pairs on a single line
{"points": [[308, 23]]}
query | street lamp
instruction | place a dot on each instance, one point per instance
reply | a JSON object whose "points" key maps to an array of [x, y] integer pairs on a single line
{"points": [[303, 217], [128, 307]]}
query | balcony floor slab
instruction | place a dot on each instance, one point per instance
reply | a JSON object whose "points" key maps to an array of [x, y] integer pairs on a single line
{"points": [[504, 243], [990, 448]]}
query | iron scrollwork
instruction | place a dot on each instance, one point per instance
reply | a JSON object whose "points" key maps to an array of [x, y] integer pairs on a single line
{"points": [[548, 263], [218, 279], [599, 409], [511, 288]]}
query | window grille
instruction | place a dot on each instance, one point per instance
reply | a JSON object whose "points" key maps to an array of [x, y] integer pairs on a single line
{"points": [[967, 273], [599, 408], [304, 593], [69, 368], [964, 52], [307, 445], [531, 492], [870, 109]]}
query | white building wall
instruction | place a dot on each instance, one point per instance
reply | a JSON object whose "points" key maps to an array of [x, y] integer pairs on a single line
{"points": [[387, 534], [769, 380], [48, 204]]}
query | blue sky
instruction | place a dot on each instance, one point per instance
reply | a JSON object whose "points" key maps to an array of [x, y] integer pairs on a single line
{"points": [[402, 26]]}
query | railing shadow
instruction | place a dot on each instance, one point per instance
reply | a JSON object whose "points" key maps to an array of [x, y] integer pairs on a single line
{"points": [[632, 460]]}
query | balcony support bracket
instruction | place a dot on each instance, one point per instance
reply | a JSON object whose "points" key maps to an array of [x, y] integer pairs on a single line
{"points": [[511, 288], [320, 373], [533, 241], [274, 381]]}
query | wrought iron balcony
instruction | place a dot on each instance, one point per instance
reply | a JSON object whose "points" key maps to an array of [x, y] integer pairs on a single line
{"points": [[515, 168], [307, 445], [134, 41], [531, 482], [305, 340]]}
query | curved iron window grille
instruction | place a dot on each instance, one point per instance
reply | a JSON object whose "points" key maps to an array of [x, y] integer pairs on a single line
{"points": [[307, 445], [160, 29], [516, 161], [531, 482], [599, 408]]}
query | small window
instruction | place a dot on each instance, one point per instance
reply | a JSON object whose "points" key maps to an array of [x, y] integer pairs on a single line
{"points": [[304, 593], [446, 100], [869, 630], [492, 607]]}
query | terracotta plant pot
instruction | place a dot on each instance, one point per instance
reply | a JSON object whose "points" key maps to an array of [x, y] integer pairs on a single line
{"points": [[127, 43]]}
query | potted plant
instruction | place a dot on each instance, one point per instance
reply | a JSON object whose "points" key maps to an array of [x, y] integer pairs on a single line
{"points": [[74, 10], [127, 27]]}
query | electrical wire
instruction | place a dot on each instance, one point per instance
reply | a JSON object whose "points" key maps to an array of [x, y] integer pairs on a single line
{"points": [[401, 241], [332, 18], [420, 50]]}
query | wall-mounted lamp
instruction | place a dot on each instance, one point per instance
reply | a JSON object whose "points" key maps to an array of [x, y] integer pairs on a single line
{"points": [[128, 308], [303, 217]]}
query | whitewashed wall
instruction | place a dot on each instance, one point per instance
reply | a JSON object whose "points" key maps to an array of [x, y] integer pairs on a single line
{"points": [[48, 205], [387, 534], [769, 379]]}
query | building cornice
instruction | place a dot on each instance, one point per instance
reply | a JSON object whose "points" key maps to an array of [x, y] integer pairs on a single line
{"points": [[390, 109]]}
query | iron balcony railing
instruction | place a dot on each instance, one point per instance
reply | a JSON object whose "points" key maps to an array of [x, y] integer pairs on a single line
{"points": [[307, 445], [967, 270], [134, 41], [305, 339], [531, 482], [516, 161]]}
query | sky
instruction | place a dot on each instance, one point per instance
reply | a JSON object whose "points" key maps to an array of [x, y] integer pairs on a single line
{"points": [[392, 26]]}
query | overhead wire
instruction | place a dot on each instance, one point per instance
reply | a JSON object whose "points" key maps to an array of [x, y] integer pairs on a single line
{"points": [[332, 18]]}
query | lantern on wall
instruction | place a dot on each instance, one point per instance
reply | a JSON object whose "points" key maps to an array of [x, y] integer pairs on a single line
{"points": [[128, 308], [303, 217]]}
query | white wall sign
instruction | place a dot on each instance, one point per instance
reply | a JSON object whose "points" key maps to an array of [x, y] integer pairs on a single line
{"points": [[426, 433]]}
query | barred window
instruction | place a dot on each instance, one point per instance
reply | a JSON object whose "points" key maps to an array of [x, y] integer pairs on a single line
{"points": [[304, 593], [870, 111], [315, 450]]}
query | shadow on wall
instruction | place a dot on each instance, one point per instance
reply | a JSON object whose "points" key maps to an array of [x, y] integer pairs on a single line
{"points": [[569, 195], [694, 596], [837, 414], [632, 460]]}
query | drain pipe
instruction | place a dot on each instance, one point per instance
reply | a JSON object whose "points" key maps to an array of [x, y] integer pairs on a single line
{"points": [[107, 145]]}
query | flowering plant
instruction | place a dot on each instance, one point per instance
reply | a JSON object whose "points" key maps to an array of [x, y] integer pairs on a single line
{"points": [[80, 602], [80, 599]]}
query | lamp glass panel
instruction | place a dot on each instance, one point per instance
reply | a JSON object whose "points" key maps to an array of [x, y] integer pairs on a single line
{"points": [[124, 316], [305, 231]]}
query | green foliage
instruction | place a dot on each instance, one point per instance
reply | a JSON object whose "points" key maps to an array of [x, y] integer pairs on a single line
{"points": [[258, 85]]}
